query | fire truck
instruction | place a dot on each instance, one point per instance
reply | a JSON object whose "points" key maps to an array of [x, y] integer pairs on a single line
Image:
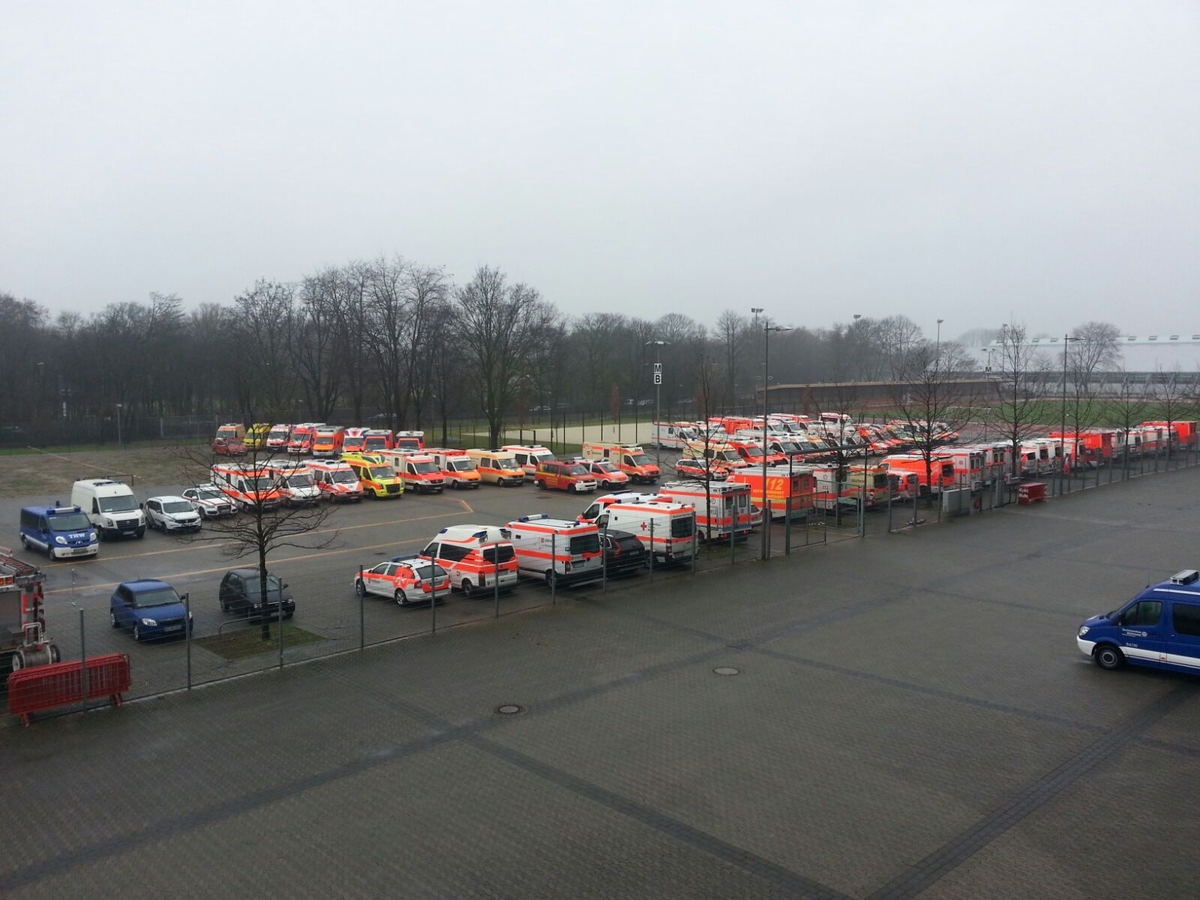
{"points": [[629, 458], [23, 641], [300, 441]]}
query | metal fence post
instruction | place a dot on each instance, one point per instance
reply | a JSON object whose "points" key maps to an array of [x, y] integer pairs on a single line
{"points": [[187, 635], [362, 615], [553, 567], [83, 672], [496, 575], [652, 551]]}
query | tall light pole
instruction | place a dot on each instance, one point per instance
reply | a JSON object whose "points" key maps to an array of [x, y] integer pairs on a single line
{"points": [[119, 407], [937, 354], [658, 345], [755, 310], [766, 507], [1062, 435]]}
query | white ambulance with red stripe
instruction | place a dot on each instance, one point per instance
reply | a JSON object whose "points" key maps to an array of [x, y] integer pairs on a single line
{"points": [[556, 551], [667, 528], [476, 556]]}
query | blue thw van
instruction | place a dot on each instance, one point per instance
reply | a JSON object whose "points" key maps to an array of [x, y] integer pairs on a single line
{"points": [[58, 531], [1160, 627]]}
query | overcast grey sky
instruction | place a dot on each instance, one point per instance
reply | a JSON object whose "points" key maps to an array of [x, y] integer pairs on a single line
{"points": [[979, 162]]}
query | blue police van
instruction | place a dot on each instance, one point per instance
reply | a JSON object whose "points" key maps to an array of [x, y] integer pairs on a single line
{"points": [[58, 531], [1160, 627]]}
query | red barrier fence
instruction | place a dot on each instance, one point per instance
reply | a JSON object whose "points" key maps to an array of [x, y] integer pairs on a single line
{"points": [[45, 687]]}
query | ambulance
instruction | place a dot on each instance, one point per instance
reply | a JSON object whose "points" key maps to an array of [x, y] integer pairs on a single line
{"points": [[629, 458], [456, 467], [300, 441], [336, 481], [969, 466], [277, 437], [667, 529], [250, 487], [478, 557], [673, 435], [750, 448], [721, 455], [497, 467], [408, 440], [723, 509], [781, 487], [294, 481], [529, 456], [941, 471], [376, 439], [256, 436], [354, 441], [556, 551], [418, 469], [868, 486], [327, 441], [376, 474]]}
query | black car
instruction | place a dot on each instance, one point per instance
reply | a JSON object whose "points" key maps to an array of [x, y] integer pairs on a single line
{"points": [[624, 553], [241, 592]]}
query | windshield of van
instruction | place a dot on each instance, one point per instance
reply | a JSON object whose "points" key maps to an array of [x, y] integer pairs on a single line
{"points": [[124, 503], [75, 521], [577, 470], [379, 473], [343, 476], [300, 480], [262, 483], [460, 464], [425, 468], [503, 463]]}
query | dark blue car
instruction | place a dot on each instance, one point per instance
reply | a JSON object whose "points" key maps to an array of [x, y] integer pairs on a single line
{"points": [[148, 608]]}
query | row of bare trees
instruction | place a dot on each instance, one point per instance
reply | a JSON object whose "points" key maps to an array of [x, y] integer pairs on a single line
{"points": [[402, 341]]}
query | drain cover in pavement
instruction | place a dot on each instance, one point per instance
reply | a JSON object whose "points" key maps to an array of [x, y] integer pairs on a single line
{"points": [[509, 709], [726, 670]]}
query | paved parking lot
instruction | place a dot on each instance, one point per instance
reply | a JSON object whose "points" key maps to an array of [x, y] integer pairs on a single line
{"points": [[905, 715]]}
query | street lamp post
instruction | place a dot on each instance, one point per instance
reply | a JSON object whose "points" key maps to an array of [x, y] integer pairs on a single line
{"points": [[1062, 435], [937, 354], [766, 507], [658, 345], [119, 408]]}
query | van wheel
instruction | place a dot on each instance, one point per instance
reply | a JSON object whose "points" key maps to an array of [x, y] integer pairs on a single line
{"points": [[24, 543], [112, 619], [401, 598], [552, 578], [1108, 657], [137, 633], [541, 485], [467, 588]]}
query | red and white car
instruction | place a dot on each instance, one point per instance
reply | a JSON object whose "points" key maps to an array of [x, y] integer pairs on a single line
{"points": [[405, 579]]}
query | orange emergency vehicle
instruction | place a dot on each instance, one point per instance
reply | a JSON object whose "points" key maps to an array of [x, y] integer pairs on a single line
{"points": [[941, 471], [479, 558], [277, 437], [556, 551], [327, 441], [248, 486], [457, 468], [300, 441], [419, 469], [629, 458], [336, 480], [408, 440], [722, 508], [784, 490]]}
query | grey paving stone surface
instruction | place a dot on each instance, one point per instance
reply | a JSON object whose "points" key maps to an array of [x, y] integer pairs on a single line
{"points": [[910, 717]]}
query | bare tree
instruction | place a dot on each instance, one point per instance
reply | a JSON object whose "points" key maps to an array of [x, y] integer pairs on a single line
{"points": [[266, 523], [267, 381], [929, 393], [500, 325], [1092, 348], [1019, 383]]}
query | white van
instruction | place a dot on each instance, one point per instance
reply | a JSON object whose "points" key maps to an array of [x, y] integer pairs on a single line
{"points": [[111, 507]]}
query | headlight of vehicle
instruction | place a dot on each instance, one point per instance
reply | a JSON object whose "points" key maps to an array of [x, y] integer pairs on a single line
{"points": [[1084, 630], [60, 540], [91, 537], [149, 623]]}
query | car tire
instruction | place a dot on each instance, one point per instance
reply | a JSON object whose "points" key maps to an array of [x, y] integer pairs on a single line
{"points": [[112, 619], [401, 598], [224, 605], [541, 485], [1108, 657], [141, 532], [468, 588], [360, 588], [137, 633], [24, 543], [551, 578]]}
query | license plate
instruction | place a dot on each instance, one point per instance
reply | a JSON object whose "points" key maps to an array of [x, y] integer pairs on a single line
{"points": [[173, 628]]}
